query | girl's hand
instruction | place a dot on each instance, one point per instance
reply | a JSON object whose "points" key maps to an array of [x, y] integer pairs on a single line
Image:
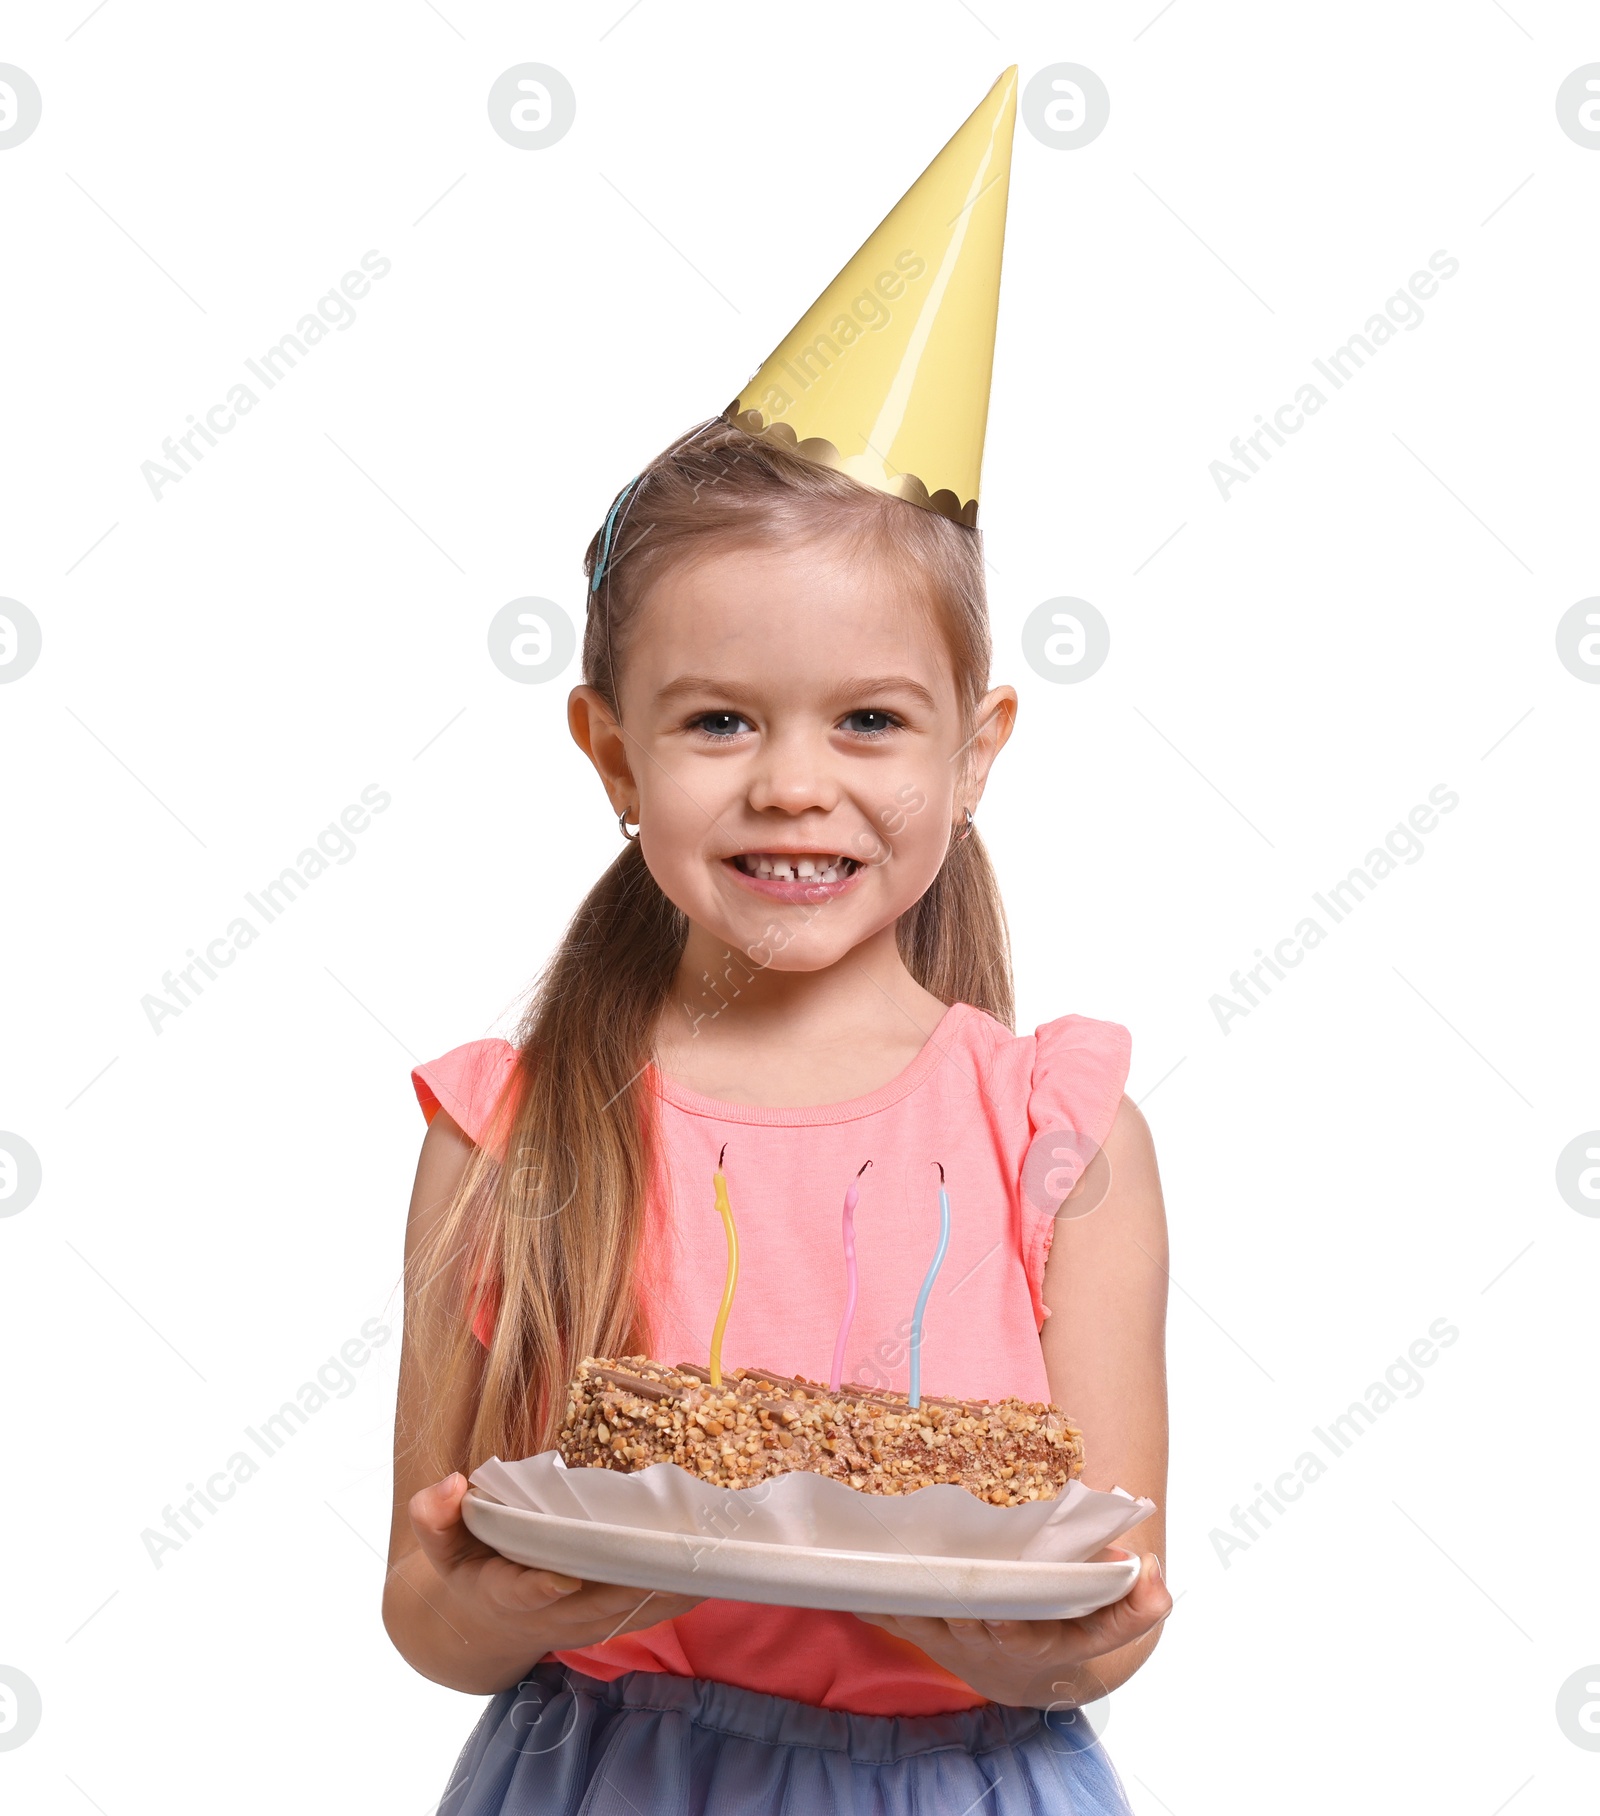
{"points": [[510, 1616], [1024, 1663]]}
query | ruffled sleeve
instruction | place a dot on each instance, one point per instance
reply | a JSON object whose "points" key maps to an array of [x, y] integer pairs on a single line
{"points": [[471, 1084], [1079, 1071]]}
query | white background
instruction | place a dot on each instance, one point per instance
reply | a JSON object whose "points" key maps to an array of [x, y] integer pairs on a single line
{"points": [[1371, 1149]]}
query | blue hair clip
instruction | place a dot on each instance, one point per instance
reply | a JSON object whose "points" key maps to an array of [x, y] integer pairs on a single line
{"points": [[605, 535]]}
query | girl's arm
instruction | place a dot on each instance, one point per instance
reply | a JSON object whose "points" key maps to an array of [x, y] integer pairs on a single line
{"points": [[1105, 1349], [458, 1612], [1105, 1354]]}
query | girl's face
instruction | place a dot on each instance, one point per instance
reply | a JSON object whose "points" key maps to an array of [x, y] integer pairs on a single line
{"points": [[791, 746]]}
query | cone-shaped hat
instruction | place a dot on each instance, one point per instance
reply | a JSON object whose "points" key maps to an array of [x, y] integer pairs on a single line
{"points": [[886, 375]]}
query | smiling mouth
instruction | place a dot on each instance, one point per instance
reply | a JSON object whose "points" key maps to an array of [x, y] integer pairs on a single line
{"points": [[796, 866]]}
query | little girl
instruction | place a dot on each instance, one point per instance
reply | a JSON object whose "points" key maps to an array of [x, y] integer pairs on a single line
{"points": [[799, 956]]}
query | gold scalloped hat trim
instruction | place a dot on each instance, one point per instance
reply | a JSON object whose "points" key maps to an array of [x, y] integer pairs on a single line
{"points": [[886, 376]]}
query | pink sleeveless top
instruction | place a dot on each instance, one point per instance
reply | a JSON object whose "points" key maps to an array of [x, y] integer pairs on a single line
{"points": [[1013, 1119]]}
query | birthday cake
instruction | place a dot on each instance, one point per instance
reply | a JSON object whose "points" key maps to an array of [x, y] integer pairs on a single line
{"points": [[628, 1412]]}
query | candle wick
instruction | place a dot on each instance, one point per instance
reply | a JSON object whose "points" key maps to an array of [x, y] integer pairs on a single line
{"points": [[862, 1168]]}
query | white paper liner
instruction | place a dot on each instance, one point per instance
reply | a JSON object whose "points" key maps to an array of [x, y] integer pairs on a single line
{"points": [[800, 1508]]}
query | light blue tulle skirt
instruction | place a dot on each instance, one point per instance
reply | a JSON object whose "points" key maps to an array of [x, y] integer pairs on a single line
{"points": [[651, 1744]]}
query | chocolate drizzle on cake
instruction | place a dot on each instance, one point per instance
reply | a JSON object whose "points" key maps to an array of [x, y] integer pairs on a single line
{"points": [[628, 1412]]}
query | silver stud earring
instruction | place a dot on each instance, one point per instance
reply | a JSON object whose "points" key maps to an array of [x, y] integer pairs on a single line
{"points": [[963, 833], [622, 825]]}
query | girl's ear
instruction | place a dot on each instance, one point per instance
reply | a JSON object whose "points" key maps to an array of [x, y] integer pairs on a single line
{"points": [[996, 717], [598, 734]]}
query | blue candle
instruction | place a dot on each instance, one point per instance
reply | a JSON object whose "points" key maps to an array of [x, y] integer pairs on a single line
{"points": [[927, 1287]]}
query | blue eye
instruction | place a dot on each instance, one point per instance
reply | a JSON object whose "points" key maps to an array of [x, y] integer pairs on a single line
{"points": [[719, 725], [886, 722]]}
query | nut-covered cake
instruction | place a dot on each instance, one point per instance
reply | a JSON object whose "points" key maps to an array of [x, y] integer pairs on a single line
{"points": [[628, 1412]]}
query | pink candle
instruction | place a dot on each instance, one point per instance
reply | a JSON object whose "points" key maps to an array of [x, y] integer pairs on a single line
{"points": [[851, 1199]]}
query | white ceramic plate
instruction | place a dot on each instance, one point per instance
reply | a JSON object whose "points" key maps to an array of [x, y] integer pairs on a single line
{"points": [[798, 1576]]}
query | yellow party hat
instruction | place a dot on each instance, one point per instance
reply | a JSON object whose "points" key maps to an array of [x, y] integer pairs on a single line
{"points": [[886, 375]]}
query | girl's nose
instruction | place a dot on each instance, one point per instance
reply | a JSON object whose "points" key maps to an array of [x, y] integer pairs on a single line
{"points": [[793, 776]]}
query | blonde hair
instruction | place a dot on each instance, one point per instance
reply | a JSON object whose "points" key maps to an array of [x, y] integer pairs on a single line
{"points": [[549, 1241]]}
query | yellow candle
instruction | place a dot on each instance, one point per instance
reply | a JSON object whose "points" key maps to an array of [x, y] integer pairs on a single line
{"points": [[719, 1184]]}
